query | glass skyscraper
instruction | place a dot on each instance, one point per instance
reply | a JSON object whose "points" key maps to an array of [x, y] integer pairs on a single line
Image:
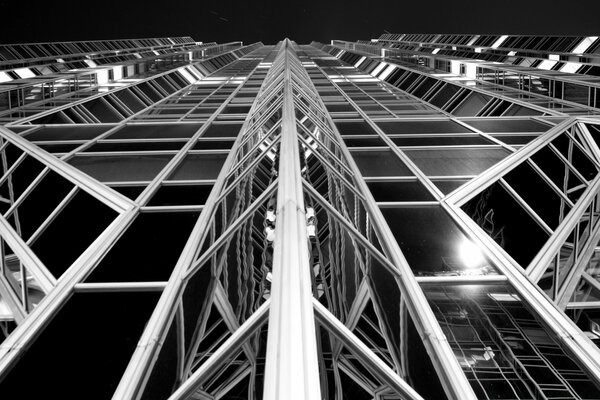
{"points": [[410, 217]]}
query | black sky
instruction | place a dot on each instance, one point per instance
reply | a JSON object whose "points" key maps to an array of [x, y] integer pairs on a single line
{"points": [[302, 21]]}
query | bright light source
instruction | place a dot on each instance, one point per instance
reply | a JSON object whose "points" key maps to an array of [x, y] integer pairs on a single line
{"points": [[470, 254]]}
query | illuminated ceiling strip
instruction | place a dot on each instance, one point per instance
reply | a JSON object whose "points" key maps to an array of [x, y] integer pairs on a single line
{"points": [[584, 45], [499, 42]]}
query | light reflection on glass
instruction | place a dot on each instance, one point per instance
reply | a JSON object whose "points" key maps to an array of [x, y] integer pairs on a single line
{"points": [[470, 254]]}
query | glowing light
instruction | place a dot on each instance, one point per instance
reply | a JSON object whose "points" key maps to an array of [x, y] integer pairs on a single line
{"points": [[470, 254]]}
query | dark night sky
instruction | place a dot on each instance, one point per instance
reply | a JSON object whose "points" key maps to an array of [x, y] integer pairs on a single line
{"points": [[302, 21]]}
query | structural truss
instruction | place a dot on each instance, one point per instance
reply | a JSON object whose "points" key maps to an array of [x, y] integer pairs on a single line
{"points": [[411, 217]]}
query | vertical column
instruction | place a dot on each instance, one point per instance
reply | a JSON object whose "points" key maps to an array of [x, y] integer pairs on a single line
{"points": [[292, 370]]}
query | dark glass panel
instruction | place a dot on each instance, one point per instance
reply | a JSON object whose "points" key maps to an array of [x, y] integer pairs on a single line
{"points": [[505, 351], [222, 130], [374, 141], [441, 141], [148, 250], [498, 214], [92, 338], [471, 106], [199, 166], [449, 185], [537, 194], [354, 128], [443, 162], [47, 133], [59, 148], [130, 191], [213, 145], [508, 125], [399, 191], [181, 195], [40, 202], [147, 131], [412, 127], [72, 231], [380, 163], [433, 244], [135, 146], [516, 139], [121, 168]]}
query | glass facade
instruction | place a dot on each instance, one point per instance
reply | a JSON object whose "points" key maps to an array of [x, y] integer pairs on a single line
{"points": [[410, 217]]}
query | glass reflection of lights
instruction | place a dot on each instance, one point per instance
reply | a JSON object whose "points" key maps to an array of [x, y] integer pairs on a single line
{"points": [[470, 254]]}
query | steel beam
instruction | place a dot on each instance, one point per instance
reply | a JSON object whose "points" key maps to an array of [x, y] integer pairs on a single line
{"points": [[292, 368], [368, 358], [227, 350]]}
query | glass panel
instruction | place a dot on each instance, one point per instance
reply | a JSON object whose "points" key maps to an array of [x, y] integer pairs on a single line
{"points": [[456, 161], [364, 142], [498, 214], [380, 163], [146, 131], [121, 168], [537, 194], [59, 148], [449, 185], [47, 133], [354, 128], [412, 127], [135, 146], [441, 141], [181, 195], [130, 191], [504, 350], [515, 139], [508, 125], [399, 191], [86, 318], [148, 250], [222, 130], [72, 231], [433, 244], [199, 166]]}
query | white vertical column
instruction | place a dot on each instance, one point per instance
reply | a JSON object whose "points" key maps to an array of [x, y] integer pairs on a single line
{"points": [[292, 369]]}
